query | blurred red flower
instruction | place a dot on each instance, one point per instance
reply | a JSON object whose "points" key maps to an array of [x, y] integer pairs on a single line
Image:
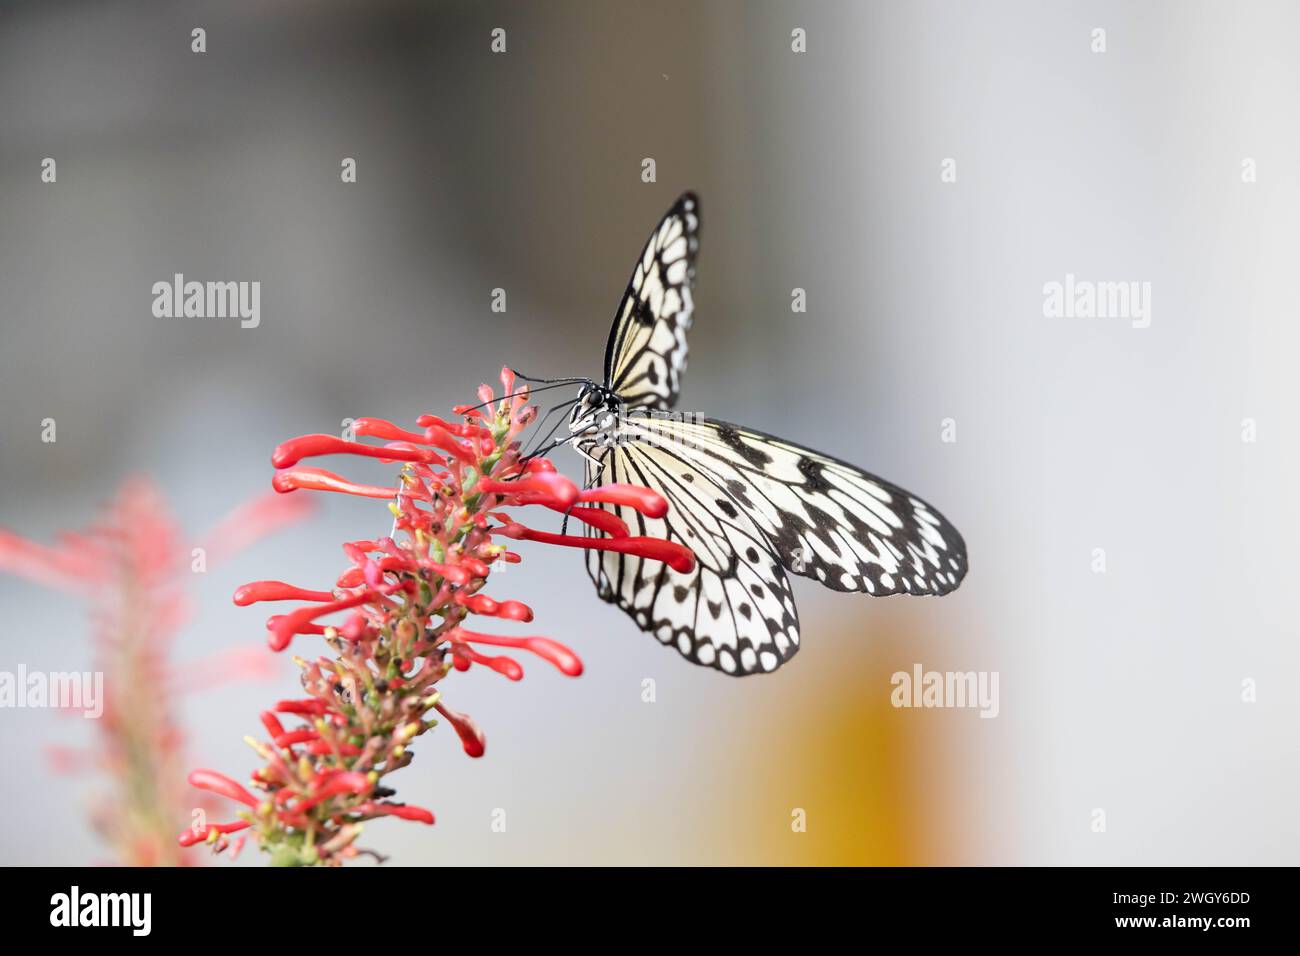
{"points": [[134, 570]]}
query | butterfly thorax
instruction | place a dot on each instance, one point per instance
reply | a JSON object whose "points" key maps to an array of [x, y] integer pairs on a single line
{"points": [[596, 416]]}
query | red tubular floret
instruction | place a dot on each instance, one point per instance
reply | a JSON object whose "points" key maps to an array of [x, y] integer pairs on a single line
{"points": [[676, 556], [190, 837], [221, 784]]}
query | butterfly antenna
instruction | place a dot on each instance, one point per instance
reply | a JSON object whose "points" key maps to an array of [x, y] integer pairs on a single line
{"points": [[558, 423], [580, 380], [550, 447], [546, 449], [522, 391]]}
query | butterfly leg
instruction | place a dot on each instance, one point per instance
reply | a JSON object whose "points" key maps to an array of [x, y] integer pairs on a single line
{"points": [[600, 466], [592, 482]]}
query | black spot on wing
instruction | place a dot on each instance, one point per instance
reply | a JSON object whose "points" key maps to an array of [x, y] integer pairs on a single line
{"points": [[814, 480], [752, 454], [642, 314], [740, 491]]}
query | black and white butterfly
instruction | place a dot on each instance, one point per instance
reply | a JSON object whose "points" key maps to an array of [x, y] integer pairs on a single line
{"points": [[749, 505]]}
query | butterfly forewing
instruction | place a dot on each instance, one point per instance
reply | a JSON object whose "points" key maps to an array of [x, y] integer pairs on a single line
{"points": [[646, 352]]}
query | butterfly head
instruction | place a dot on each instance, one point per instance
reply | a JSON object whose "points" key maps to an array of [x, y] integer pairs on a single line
{"points": [[596, 414]]}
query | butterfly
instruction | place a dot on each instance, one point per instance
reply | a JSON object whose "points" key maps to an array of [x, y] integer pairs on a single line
{"points": [[752, 507]]}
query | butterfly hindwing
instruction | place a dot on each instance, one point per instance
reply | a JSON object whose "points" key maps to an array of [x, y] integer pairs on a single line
{"points": [[735, 611], [646, 352]]}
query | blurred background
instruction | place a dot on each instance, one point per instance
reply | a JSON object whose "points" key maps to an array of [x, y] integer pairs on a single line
{"points": [[820, 170]]}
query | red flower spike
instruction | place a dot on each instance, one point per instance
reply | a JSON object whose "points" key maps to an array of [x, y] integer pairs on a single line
{"points": [[405, 599]]}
